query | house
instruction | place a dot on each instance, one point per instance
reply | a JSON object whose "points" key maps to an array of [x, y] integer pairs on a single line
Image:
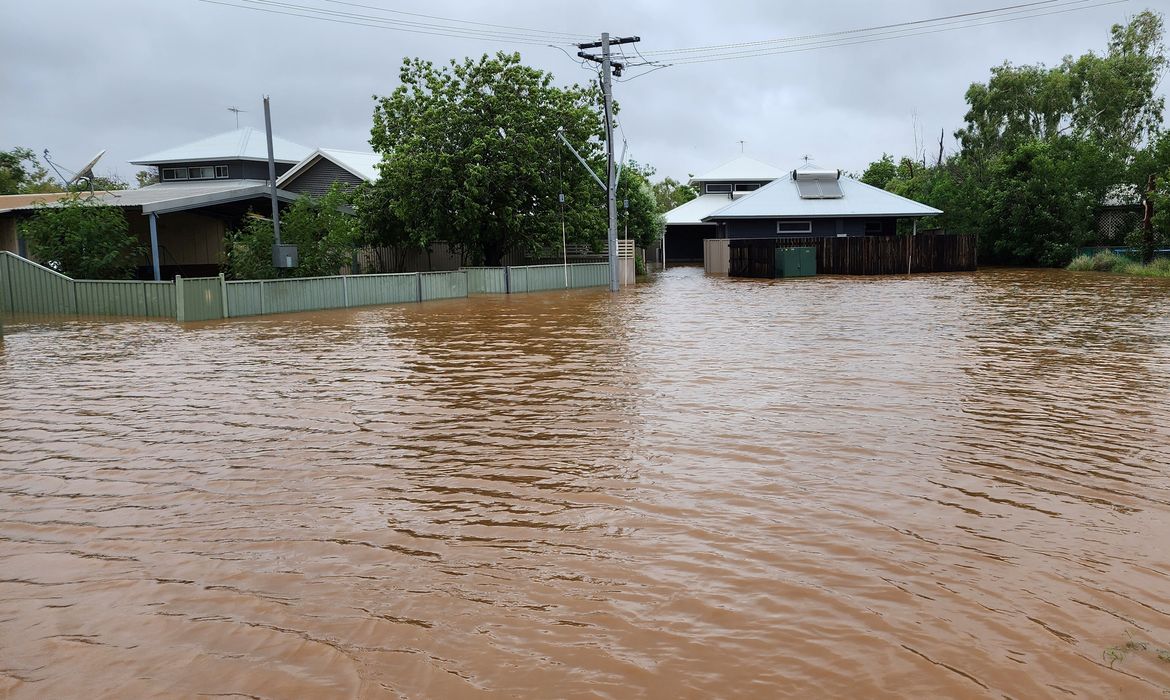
{"points": [[205, 189], [686, 227], [320, 169], [814, 202]]}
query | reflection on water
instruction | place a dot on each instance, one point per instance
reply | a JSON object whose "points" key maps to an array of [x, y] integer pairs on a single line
{"points": [[948, 486]]}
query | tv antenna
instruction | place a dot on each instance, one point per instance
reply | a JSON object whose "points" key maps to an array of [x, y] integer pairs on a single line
{"points": [[740, 142], [807, 158], [236, 111]]}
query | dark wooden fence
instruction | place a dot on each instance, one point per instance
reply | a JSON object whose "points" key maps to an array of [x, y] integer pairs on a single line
{"points": [[860, 255]]}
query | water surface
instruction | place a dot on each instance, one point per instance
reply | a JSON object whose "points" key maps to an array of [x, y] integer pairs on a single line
{"points": [[948, 486]]}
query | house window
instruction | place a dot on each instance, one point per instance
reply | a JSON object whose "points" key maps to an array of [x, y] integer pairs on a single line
{"points": [[174, 174], [873, 228], [788, 227], [221, 172], [202, 172], [718, 188], [751, 187]]}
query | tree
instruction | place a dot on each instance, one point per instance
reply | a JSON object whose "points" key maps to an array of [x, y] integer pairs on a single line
{"points": [[643, 220], [670, 193], [324, 230], [472, 157], [21, 173], [82, 239], [147, 176], [880, 172]]}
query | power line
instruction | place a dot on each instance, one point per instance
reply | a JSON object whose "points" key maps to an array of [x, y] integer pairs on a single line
{"points": [[876, 37], [568, 35], [1023, 7], [360, 20]]}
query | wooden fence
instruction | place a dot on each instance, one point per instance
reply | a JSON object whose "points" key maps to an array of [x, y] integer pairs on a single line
{"points": [[860, 255]]}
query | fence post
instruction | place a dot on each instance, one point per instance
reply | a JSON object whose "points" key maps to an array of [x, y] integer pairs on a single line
{"points": [[223, 294], [345, 287], [261, 297], [180, 301], [76, 306], [418, 284], [507, 279]]}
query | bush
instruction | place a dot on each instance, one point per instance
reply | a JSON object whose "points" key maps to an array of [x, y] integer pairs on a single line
{"points": [[83, 240], [1107, 261]]}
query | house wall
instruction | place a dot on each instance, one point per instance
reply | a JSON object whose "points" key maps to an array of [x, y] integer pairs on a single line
{"points": [[189, 244], [317, 179], [237, 169], [766, 228], [8, 234]]}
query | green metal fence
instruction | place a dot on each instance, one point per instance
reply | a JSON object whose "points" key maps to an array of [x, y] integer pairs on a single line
{"points": [[257, 297], [518, 279], [29, 288], [486, 280]]}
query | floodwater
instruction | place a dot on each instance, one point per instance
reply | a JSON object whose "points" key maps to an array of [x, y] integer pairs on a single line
{"points": [[949, 486]]}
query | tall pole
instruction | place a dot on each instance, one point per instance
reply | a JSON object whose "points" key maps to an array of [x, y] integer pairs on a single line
{"points": [[272, 171], [610, 175]]}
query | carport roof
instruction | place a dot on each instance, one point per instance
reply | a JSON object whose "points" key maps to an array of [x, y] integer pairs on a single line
{"points": [[177, 196]]}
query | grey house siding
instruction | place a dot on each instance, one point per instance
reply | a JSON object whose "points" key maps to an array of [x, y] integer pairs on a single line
{"points": [[826, 227], [319, 177], [237, 169]]}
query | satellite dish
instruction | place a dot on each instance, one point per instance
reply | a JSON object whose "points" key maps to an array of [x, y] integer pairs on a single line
{"points": [[87, 170]]}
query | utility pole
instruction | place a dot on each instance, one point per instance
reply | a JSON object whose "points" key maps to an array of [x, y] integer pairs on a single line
{"points": [[272, 172], [608, 67]]}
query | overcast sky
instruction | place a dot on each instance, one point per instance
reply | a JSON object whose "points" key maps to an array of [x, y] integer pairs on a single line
{"points": [[137, 76]]}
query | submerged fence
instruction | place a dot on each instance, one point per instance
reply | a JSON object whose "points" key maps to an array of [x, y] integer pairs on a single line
{"points": [[26, 287], [860, 255]]}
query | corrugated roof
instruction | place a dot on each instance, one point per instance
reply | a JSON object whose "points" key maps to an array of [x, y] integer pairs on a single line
{"points": [[780, 199], [177, 196], [241, 144], [10, 202], [692, 212], [739, 170], [363, 164]]}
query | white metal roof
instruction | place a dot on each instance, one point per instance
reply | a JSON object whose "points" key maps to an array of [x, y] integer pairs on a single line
{"points": [[241, 144], [740, 170], [363, 164], [179, 196], [780, 199], [692, 212]]}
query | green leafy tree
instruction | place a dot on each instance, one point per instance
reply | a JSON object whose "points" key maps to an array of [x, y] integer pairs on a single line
{"points": [[147, 176], [880, 172], [472, 157], [82, 239], [670, 193], [643, 219], [22, 173], [324, 230]]}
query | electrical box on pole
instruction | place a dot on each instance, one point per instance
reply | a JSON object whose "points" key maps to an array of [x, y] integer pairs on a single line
{"points": [[283, 256]]}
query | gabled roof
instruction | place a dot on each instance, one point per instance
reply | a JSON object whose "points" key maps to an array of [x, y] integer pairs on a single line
{"points": [[241, 144], [363, 164], [781, 199], [742, 169], [692, 212]]}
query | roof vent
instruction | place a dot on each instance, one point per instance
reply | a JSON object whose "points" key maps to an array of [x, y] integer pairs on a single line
{"points": [[818, 184]]}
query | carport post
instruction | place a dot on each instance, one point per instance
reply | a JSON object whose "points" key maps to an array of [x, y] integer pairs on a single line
{"points": [[154, 245]]}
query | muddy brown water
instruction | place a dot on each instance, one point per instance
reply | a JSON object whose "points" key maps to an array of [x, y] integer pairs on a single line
{"points": [[950, 486]]}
